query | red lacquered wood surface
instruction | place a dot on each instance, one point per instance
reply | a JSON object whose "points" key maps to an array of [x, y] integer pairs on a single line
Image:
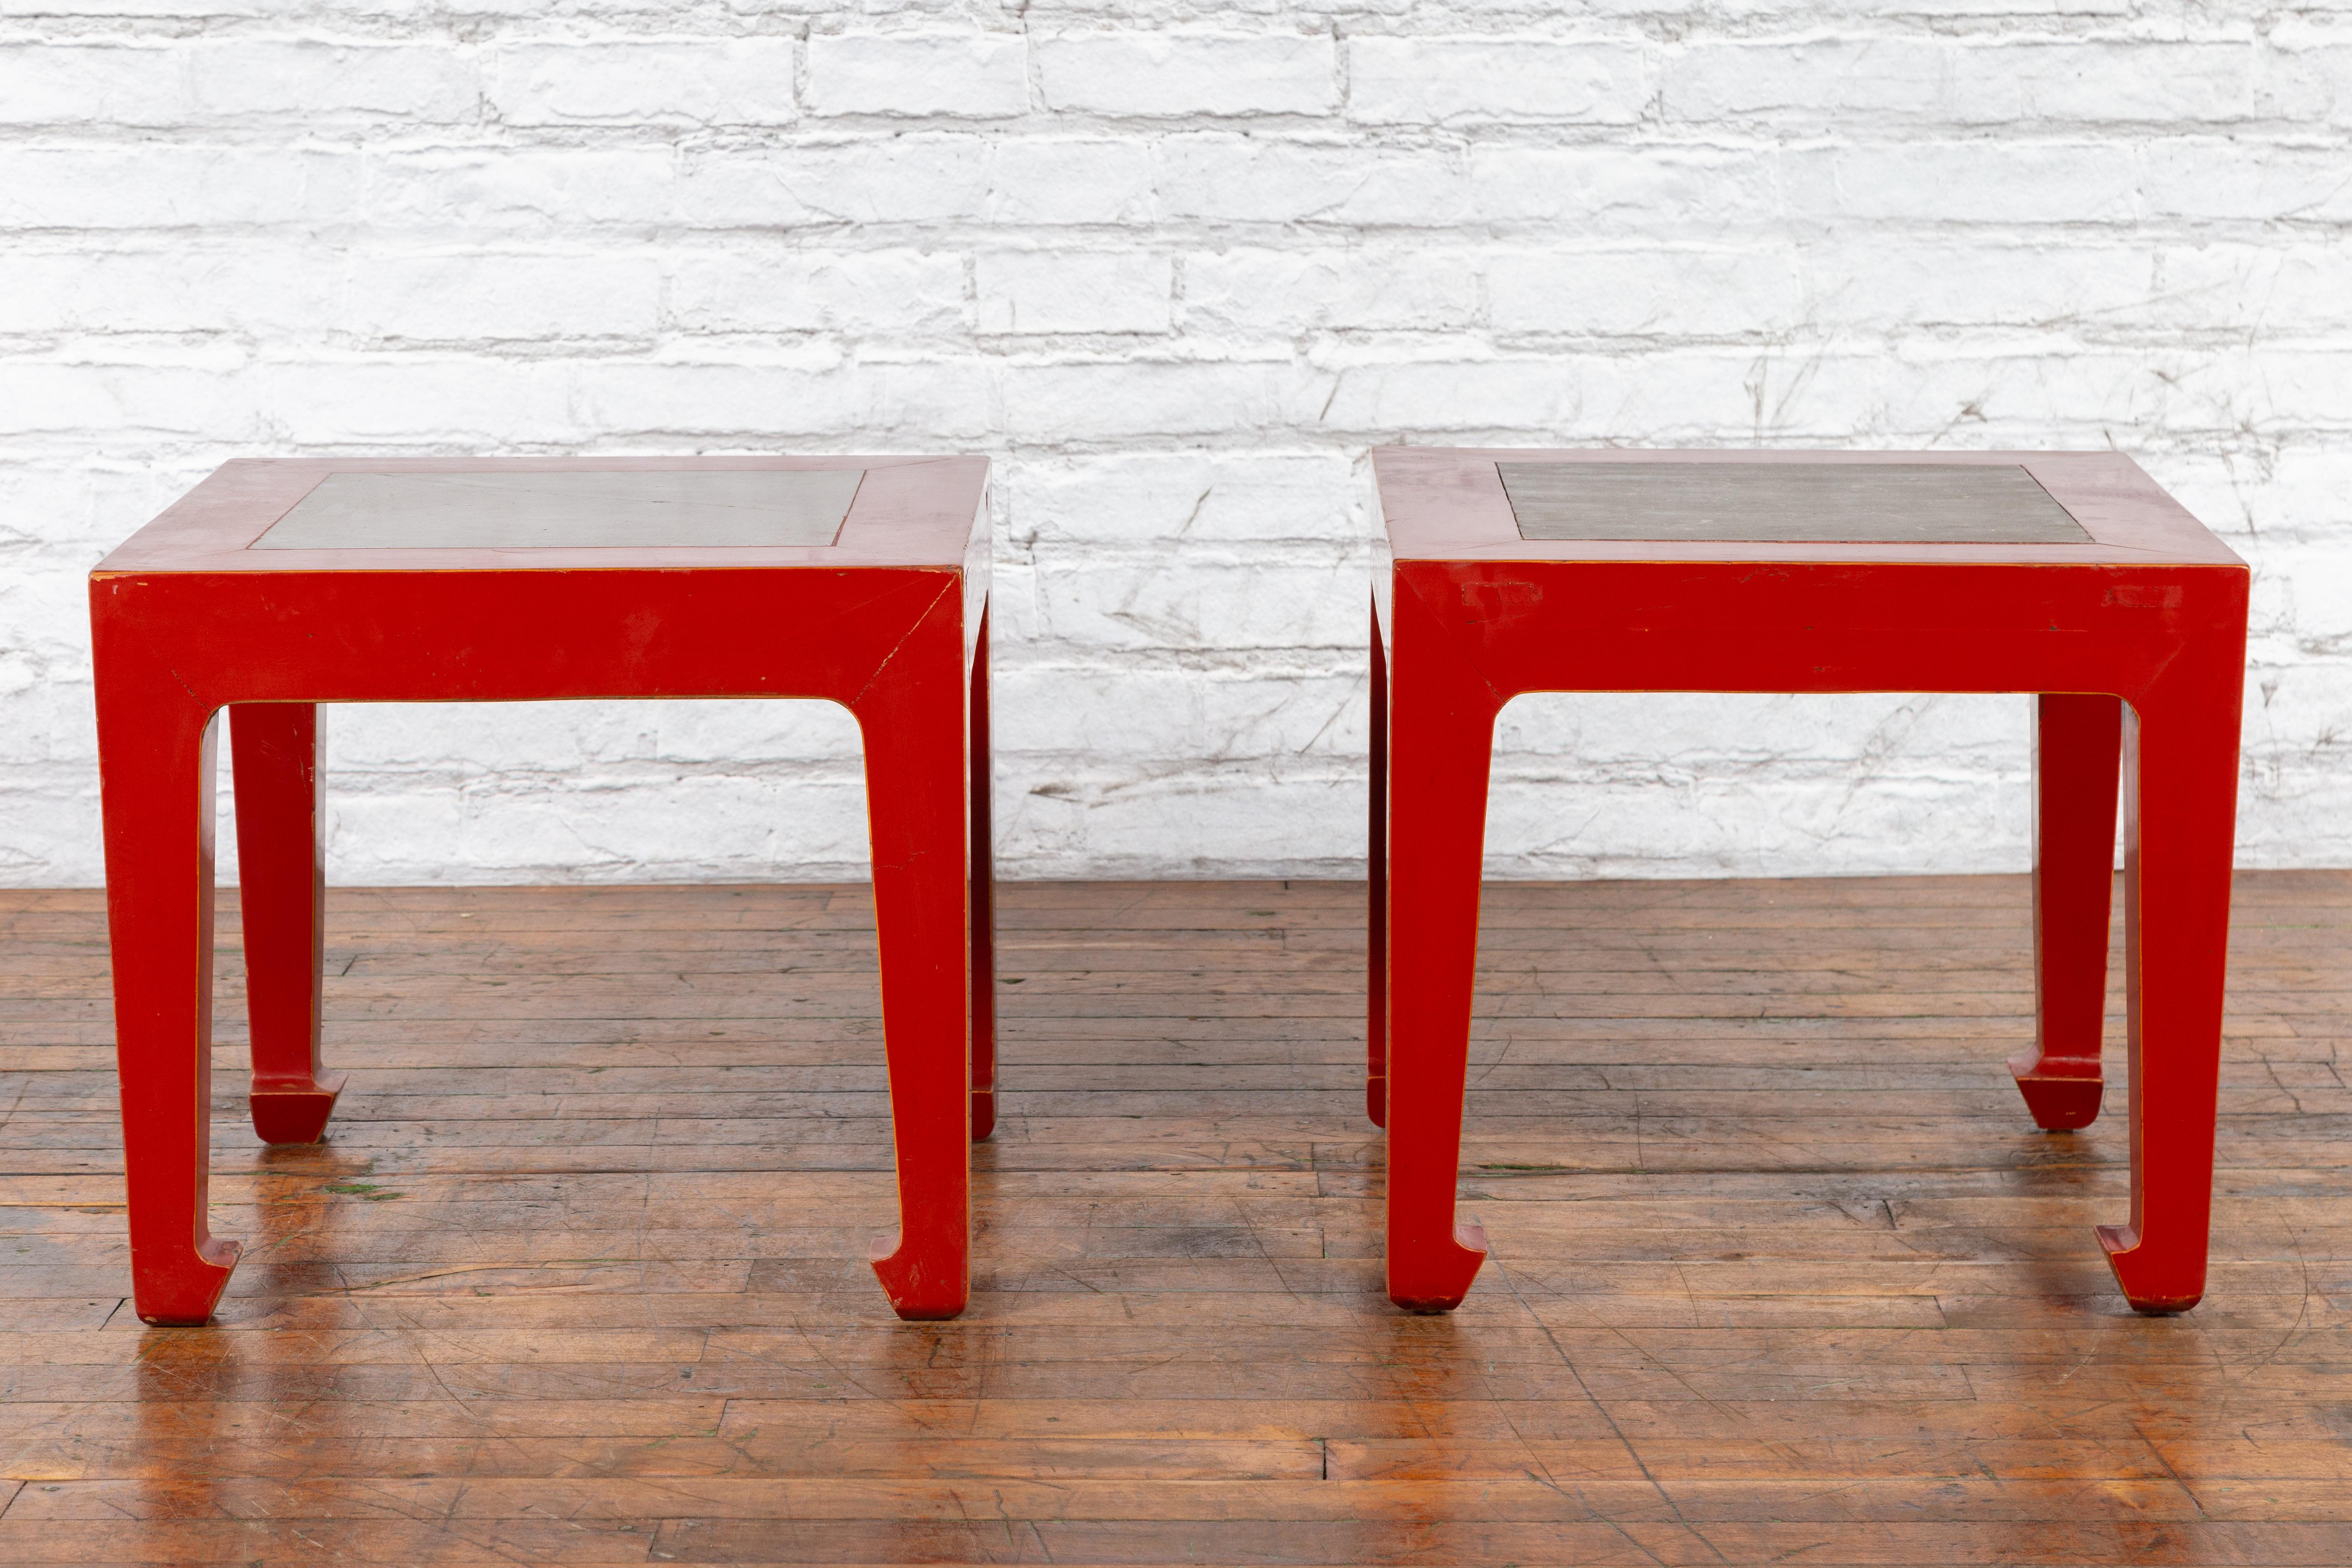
{"points": [[185, 623], [2077, 752], [277, 756], [2148, 621], [984, 903], [1376, 924]]}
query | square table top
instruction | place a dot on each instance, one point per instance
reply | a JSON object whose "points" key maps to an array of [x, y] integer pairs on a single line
{"points": [[1620, 504], [458, 514]]}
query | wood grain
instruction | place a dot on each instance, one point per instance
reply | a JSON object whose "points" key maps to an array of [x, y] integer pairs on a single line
{"points": [[1782, 1270]]}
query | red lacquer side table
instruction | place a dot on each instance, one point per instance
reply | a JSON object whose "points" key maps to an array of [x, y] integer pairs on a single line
{"points": [[274, 586], [2070, 575]]}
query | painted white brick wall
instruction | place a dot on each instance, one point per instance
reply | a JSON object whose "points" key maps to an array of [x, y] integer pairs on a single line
{"points": [[1176, 265]]}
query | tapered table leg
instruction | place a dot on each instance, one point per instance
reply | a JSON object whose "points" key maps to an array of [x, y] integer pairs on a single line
{"points": [[277, 750], [983, 900], [1376, 912], [1441, 738], [156, 759], [2180, 764], [2077, 750], [918, 797]]}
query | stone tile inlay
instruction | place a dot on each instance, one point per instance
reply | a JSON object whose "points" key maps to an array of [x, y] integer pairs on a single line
{"points": [[1941, 503], [772, 508]]}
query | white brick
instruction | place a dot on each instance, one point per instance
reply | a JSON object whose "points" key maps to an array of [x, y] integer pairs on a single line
{"points": [[765, 290], [1173, 281], [2247, 178], [1221, 603], [1143, 501], [2311, 598], [1421, 399], [2305, 75], [810, 732], [2297, 291], [1090, 826], [316, 81], [981, 75], [718, 82], [1815, 80], [51, 84], [1974, 283], [1065, 291], [484, 296], [817, 401], [1258, 290], [2169, 83], [592, 825], [1970, 181], [205, 187], [2293, 497], [174, 10], [1416, 80], [1219, 176], [1136, 72], [465, 191], [1657, 191], [1053, 180], [257, 288], [430, 401], [1131, 712], [1134, 398], [1961, 81], [115, 401], [2304, 384], [914, 178], [1683, 291], [1896, 782]]}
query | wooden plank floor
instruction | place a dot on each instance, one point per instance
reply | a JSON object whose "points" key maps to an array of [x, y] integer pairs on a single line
{"points": [[1781, 1272]]}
